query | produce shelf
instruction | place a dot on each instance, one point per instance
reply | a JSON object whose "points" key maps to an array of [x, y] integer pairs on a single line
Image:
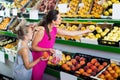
{"points": [[90, 46], [92, 20], [52, 72], [7, 33], [56, 73], [77, 44]]}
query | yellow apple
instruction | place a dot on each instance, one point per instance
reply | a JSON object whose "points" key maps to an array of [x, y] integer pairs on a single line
{"points": [[110, 11], [109, 3], [113, 1], [106, 13], [107, 30], [91, 27], [68, 57], [103, 33], [98, 36], [105, 5]]}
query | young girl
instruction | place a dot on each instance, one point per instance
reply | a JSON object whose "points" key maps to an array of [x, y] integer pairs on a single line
{"points": [[24, 62], [45, 38]]}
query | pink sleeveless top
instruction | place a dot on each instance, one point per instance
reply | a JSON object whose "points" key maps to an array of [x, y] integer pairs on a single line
{"points": [[45, 42]]}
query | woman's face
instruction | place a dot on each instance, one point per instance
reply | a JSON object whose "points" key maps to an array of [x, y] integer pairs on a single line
{"points": [[58, 21]]}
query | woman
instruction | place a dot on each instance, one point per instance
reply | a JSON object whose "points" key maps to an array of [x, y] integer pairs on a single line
{"points": [[45, 38], [24, 62]]}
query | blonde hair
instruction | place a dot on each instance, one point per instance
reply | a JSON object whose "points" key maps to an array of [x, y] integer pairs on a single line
{"points": [[22, 31]]}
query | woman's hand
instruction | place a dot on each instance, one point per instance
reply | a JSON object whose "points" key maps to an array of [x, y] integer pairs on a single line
{"points": [[52, 50], [88, 30]]}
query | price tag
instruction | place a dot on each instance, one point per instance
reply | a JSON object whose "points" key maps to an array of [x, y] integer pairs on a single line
{"points": [[1, 13], [63, 8], [81, 4], [66, 76], [14, 12], [0, 20], [99, 2], [116, 12], [7, 12], [33, 14], [2, 58]]}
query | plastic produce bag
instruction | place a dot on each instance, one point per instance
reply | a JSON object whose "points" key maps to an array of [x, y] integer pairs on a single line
{"points": [[57, 57]]}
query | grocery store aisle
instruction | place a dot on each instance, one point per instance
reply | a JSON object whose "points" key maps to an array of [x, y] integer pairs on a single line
{"points": [[6, 69]]}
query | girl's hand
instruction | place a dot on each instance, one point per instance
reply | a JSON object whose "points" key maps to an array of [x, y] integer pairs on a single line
{"points": [[44, 59]]}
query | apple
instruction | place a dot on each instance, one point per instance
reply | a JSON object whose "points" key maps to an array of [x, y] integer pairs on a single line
{"points": [[91, 27], [109, 3], [110, 11], [105, 5], [106, 13]]}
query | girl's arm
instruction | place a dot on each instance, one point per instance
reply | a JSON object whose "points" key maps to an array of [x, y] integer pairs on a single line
{"points": [[28, 65], [72, 33]]}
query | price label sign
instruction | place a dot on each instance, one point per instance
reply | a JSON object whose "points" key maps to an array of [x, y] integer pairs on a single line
{"points": [[116, 12], [2, 13], [33, 14], [2, 57], [7, 12], [63, 8], [14, 12], [81, 5], [66, 76]]}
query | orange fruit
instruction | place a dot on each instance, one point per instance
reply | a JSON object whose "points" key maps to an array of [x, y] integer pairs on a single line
{"points": [[45, 55]]}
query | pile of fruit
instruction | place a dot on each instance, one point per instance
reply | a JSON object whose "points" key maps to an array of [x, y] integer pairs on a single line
{"points": [[11, 45], [112, 38], [114, 34], [73, 7], [99, 31], [112, 72], [69, 27], [4, 23], [65, 58], [74, 63], [97, 8], [47, 5], [5, 42], [89, 8], [108, 7], [92, 67], [85, 65], [20, 3], [84, 10]]}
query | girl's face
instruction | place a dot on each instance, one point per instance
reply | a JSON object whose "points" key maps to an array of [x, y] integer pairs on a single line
{"points": [[58, 21], [30, 33]]}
